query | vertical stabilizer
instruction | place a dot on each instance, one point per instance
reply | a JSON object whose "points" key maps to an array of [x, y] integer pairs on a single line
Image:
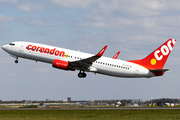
{"points": [[157, 58]]}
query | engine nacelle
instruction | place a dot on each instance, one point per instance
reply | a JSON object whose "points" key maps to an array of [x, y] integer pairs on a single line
{"points": [[60, 64]]}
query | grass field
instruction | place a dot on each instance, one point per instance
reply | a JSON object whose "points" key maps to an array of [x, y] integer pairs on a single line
{"points": [[89, 114]]}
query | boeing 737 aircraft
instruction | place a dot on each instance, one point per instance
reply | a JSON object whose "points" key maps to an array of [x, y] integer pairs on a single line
{"points": [[72, 60]]}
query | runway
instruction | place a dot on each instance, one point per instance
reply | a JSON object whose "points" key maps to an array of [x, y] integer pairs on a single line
{"points": [[128, 108]]}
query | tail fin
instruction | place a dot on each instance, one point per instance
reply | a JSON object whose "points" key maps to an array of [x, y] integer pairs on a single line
{"points": [[157, 59]]}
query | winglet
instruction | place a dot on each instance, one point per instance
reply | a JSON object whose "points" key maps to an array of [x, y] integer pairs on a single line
{"points": [[101, 52], [115, 56]]}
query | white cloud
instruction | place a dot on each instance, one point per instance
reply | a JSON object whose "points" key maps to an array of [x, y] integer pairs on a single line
{"points": [[96, 24], [4, 28], [21, 19], [73, 3], [145, 14], [38, 22], [5, 19], [106, 22], [42, 70], [28, 7], [9, 1], [137, 8]]}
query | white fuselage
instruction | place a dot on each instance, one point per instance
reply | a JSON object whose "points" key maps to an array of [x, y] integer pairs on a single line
{"points": [[103, 65]]}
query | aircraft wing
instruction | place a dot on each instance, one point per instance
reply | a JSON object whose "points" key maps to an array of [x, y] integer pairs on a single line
{"points": [[85, 63]]}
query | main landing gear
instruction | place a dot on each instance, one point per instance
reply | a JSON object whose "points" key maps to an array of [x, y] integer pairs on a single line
{"points": [[81, 74]]}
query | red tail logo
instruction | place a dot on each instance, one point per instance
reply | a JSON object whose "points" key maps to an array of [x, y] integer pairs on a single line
{"points": [[157, 59]]}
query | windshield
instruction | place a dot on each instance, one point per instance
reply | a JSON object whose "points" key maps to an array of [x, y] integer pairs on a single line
{"points": [[12, 44]]}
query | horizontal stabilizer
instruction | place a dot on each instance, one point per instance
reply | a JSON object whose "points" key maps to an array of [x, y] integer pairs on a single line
{"points": [[158, 72]]}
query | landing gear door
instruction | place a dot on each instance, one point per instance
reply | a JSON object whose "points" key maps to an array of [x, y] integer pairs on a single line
{"points": [[21, 48]]}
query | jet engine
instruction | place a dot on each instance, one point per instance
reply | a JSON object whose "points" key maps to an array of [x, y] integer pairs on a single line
{"points": [[60, 64]]}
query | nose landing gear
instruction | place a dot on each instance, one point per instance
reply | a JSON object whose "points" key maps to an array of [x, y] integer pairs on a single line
{"points": [[82, 74], [16, 61]]}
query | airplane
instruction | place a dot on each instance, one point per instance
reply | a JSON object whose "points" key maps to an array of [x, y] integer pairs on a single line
{"points": [[70, 60]]}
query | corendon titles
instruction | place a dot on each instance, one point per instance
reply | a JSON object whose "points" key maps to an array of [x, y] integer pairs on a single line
{"points": [[46, 50], [164, 50]]}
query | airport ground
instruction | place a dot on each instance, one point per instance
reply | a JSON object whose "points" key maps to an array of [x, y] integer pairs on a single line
{"points": [[55, 111], [90, 114]]}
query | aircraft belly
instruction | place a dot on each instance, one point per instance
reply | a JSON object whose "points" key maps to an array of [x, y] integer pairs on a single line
{"points": [[128, 73], [117, 72]]}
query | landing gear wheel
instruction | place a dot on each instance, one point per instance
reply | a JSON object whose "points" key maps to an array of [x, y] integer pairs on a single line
{"points": [[16, 61], [82, 75]]}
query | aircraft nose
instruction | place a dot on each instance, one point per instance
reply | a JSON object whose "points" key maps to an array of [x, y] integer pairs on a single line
{"points": [[4, 47]]}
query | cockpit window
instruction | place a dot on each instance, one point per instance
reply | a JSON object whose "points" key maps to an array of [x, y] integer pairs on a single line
{"points": [[12, 44]]}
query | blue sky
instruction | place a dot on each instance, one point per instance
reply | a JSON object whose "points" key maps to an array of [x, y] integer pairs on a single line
{"points": [[136, 28]]}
